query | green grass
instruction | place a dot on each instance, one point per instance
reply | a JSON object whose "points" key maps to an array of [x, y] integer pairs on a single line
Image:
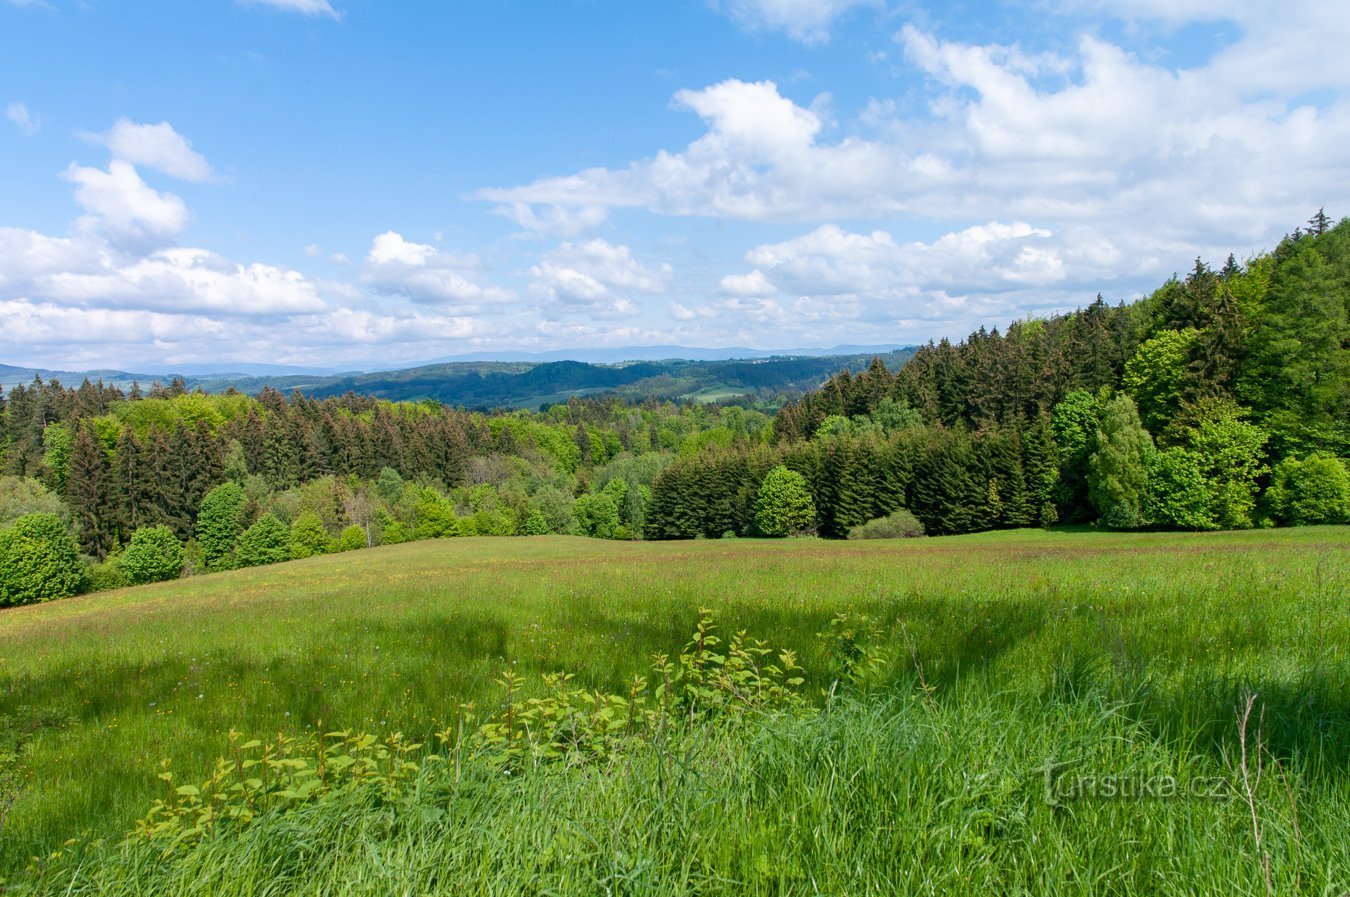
{"points": [[1129, 651]]}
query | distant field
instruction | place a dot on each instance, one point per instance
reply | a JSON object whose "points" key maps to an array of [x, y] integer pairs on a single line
{"points": [[394, 638]]}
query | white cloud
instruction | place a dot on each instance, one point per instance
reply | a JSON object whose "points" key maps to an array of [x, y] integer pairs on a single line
{"points": [[598, 276], [24, 120], [124, 207], [159, 147], [752, 284], [759, 160], [1216, 157], [304, 7], [422, 273], [808, 21]]}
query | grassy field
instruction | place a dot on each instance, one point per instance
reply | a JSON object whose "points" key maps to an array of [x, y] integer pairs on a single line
{"points": [[1127, 652]]}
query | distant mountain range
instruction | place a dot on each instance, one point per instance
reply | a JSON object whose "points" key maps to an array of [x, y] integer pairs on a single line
{"points": [[525, 380]]}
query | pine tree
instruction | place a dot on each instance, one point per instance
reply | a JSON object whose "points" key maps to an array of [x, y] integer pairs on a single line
{"points": [[89, 493]]}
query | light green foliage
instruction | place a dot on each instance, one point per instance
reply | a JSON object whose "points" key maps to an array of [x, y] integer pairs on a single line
{"points": [[892, 415], [219, 525], [1073, 423], [1230, 452], [105, 576], [1310, 491], [352, 538], [38, 561], [435, 516], [900, 524], [535, 523], [784, 506], [267, 541], [1117, 473], [309, 537], [1156, 376], [21, 496], [596, 514], [153, 555], [56, 443], [396, 533], [1177, 496], [833, 426]]}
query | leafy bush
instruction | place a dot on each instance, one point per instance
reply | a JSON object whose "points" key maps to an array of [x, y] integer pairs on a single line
{"points": [[898, 525], [397, 533], [38, 561], [1314, 490], [352, 538], [309, 536], [106, 576], [267, 541], [154, 555], [784, 507]]}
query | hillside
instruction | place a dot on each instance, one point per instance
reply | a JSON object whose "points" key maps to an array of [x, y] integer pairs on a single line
{"points": [[1126, 648]]}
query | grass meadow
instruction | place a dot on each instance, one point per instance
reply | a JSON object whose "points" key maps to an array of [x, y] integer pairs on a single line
{"points": [[1129, 657]]}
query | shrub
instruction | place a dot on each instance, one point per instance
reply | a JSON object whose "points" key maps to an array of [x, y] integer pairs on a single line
{"points": [[106, 576], [38, 561], [267, 541], [308, 536], [154, 555], [1314, 490], [784, 507], [396, 533], [535, 523], [898, 525], [352, 538]]}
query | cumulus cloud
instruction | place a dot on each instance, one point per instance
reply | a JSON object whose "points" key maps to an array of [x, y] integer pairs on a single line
{"points": [[1214, 157], [18, 113], [123, 207], [158, 147], [598, 276], [808, 21], [423, 273]]}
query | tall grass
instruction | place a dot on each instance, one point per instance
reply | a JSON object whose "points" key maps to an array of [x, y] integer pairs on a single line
{"points": [[1127, 652]]}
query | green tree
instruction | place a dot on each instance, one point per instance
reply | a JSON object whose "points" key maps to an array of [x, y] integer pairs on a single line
{"points": [[309, 537], [784, 506], [1230, 452], [352, 538], [389, 485], [1117, 475], [1073, 426], [153, 555], [1177, 496], [1156, 377], [38, 561], [56, 442], [267, 541], [21, 496], [596, 514], [220, 523]]}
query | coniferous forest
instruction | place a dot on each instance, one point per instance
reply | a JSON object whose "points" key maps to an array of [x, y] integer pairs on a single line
{"points": [[1220, 401]]}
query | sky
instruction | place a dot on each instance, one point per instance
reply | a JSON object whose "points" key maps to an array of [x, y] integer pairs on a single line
{"points": [[373, 183]]}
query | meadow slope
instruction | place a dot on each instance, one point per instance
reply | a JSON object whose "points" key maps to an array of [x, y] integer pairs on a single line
{"points": [[1175, 628]]}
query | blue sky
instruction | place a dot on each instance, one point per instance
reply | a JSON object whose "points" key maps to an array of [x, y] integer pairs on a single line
{"points": [[362, 183]]}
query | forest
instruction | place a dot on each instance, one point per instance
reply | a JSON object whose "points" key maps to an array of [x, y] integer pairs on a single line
{"points": [[1219, 401]]}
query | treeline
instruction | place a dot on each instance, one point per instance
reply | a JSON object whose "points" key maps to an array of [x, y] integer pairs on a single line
{"points": [[322, 475], [1221, 400]]}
